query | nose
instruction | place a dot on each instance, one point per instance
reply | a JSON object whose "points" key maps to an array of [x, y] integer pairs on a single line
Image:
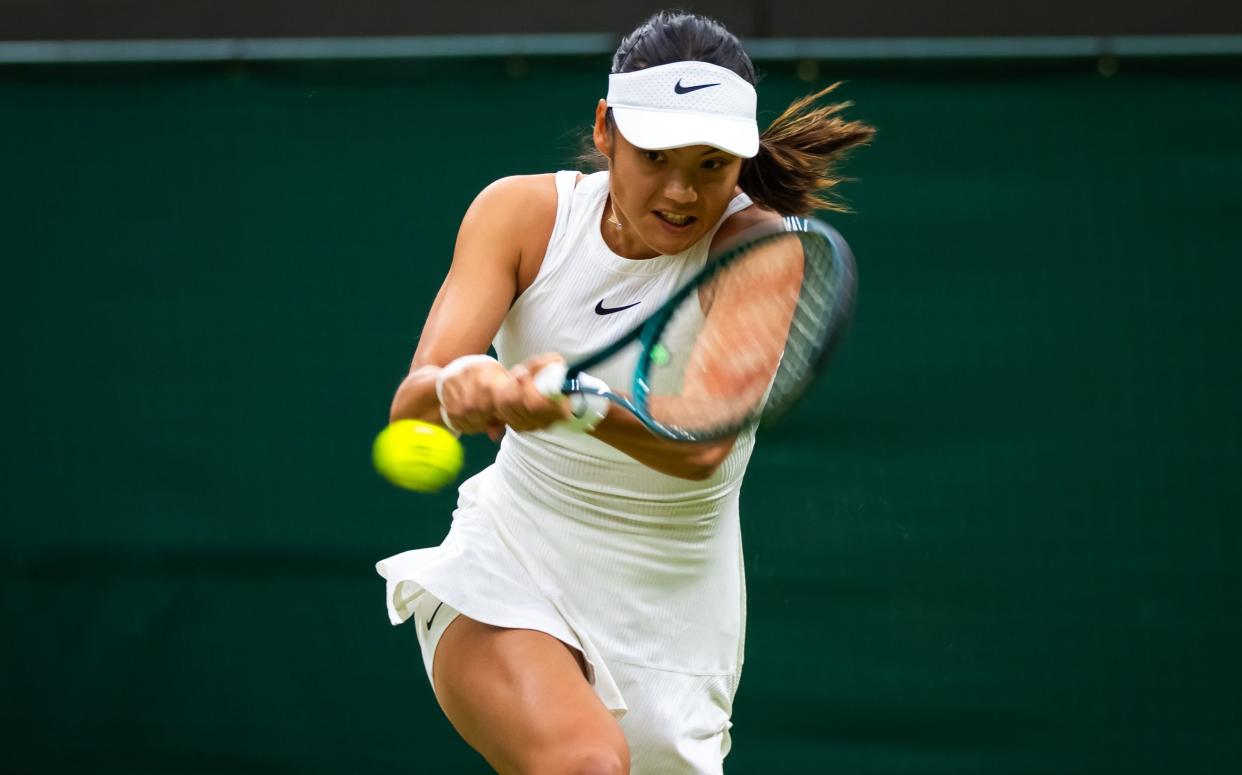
{"points": [[680, 191]]}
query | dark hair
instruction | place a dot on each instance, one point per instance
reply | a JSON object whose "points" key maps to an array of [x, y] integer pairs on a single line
{"points": [[798, 152]]}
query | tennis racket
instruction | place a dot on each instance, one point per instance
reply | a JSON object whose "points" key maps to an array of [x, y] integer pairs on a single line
{"points": [[741, 341]]}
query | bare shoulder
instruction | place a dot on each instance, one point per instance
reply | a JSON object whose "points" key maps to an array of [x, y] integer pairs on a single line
{"points": [[741, 221], [519, 199], [521, 209]]}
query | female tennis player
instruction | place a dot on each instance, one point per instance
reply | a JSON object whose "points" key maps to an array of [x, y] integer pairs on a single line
{"points": [[586, 611]]}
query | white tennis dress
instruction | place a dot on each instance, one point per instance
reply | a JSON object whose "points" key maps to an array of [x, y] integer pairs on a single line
{"points": [[640, 571]]}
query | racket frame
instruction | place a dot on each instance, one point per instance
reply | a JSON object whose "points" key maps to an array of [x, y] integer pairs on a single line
{"points": [[648, 332]]}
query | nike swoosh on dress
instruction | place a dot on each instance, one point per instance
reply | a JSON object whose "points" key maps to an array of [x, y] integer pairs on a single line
{"points": [[600, 309]]}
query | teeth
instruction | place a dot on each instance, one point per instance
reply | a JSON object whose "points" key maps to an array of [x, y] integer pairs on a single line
{"points": [[675, 219]]}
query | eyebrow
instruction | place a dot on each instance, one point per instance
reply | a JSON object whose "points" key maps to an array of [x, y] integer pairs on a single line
{"points": [[708, 152]]}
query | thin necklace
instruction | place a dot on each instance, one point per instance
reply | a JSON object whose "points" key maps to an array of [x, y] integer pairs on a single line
{"points": [[613, 219]]}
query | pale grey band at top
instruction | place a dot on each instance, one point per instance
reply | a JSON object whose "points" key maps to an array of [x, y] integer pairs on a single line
{"points": [[430, 47]]}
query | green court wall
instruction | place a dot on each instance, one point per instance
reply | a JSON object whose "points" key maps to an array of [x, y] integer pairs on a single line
{"points": [[1002, 536]]}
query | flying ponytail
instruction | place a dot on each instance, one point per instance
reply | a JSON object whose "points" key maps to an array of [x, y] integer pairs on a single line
{"points": [[798, 155]]}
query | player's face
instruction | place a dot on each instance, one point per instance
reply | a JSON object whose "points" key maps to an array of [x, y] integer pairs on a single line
{"points": [[667, 200]]}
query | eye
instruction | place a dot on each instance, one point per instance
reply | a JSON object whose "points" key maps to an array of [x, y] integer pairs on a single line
{"points": [[713, 164], [651, 155]]}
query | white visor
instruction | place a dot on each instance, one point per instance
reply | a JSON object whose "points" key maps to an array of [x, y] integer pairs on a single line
{"points": [[685, 103]]}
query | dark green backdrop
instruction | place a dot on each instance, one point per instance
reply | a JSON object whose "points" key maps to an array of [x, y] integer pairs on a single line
{"points": [[1003, 539]]}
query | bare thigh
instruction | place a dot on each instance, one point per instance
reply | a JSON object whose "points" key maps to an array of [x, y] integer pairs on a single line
{"points": [[521, 699]]}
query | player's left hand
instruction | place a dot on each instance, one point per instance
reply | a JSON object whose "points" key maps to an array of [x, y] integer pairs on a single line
{"points": [[521, 405]]}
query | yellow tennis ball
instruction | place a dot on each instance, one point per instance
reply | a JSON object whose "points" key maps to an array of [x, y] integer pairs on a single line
{"points": [[417, 455]]}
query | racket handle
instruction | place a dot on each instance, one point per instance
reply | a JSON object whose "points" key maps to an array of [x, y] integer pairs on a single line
{"points": [[550, 380], [587, 408]]}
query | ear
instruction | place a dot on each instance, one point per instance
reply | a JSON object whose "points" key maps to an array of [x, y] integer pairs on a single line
{"points": [[603, 143]]}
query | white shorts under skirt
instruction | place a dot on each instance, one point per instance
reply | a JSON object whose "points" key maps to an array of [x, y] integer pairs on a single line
{"points": [[674, 723]]}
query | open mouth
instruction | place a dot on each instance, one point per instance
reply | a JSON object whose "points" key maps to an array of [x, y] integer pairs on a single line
{"points": [[675, 219]]}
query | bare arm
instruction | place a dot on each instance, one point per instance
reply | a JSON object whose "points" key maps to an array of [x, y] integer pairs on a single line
{"points": [[733, 362], [712, 380], [685, 460], [467, 313], [474, 298]]}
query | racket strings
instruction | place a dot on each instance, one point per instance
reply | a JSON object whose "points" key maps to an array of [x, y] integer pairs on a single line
{"points": [[740, 339], [820, 303]]}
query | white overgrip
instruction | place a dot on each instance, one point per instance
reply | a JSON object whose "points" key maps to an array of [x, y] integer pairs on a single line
{"points": [[587, 410]]}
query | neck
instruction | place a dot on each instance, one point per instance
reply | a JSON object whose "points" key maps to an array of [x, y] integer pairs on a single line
{"points": [[625, 241]]}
